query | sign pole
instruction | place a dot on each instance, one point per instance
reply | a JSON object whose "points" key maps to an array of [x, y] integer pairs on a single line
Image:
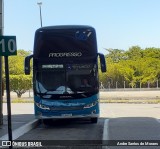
{"points": [[8, 47], [1, 95], [8, 101]]}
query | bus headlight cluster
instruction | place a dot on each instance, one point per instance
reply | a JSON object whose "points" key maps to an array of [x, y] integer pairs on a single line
{"points": [[91, 104], [41, 106]]}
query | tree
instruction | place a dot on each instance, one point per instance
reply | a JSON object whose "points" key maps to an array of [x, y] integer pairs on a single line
{"points": [[135, 66], [116, 55], [126, 70], [23, 53], [19, 83], [135, 52], [152, 71], [16, 63], [152, 53]]}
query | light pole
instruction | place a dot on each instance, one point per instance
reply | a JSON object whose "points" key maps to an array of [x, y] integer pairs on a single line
{"points": [[40, 3]]}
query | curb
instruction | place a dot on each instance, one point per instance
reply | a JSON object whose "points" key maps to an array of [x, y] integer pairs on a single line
{"points": [[22, 130]]}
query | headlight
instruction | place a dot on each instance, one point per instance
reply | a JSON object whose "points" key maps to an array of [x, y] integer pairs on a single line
{"points": [[41, 106], [91, 104]]}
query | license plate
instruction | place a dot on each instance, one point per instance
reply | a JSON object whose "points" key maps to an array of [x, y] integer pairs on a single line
{"points": [[66, 115]]}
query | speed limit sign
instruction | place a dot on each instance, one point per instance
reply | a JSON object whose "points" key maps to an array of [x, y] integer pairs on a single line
{"points": [[8, 45]]}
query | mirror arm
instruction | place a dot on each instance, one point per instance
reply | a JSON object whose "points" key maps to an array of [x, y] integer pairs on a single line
{"points": [[102, 62], [27, 64]]}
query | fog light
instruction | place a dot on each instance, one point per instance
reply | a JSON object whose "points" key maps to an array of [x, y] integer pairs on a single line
{"points": [[39, 113], [93, 112]]}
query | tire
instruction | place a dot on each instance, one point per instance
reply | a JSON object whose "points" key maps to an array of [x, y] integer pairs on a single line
{"points": [[94, 120], [46, 121]]}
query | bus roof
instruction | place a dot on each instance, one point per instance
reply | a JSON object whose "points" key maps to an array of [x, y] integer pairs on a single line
{"points": [[63, 27], [65, 42]]}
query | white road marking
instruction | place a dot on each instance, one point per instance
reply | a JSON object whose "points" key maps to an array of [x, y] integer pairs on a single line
{"points": [[106, 132]]}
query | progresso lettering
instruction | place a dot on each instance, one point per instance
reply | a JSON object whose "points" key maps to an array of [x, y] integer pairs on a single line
{"points": [[68, 54]]}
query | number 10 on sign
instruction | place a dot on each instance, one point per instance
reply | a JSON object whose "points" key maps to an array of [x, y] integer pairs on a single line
{"points": [[8, 45]]}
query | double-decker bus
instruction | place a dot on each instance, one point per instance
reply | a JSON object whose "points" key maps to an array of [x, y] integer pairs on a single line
{"points": [[65, 72]]}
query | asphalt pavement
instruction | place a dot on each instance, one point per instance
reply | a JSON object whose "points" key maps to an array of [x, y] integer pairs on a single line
{"points": [[21, 116], [120, 124]]}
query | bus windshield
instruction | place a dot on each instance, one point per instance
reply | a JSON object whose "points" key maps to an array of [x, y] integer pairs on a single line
{"points": [[60, 80]]}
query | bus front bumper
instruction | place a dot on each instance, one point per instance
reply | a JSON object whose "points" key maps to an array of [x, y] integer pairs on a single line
{"points": [[67, 116]]}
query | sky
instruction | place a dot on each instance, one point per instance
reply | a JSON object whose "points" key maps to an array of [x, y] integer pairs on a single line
{"points": [[119, 24]]}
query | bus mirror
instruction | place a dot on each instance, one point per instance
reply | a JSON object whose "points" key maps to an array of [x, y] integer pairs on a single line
{"points": [[102, 62], [27, 65]]}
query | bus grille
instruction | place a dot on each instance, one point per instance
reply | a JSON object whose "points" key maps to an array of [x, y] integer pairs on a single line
{"points": [[66, 108]]}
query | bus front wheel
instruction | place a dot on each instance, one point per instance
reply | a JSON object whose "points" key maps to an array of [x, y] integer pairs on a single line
{"points": [[47, 121], [94, 120]]}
